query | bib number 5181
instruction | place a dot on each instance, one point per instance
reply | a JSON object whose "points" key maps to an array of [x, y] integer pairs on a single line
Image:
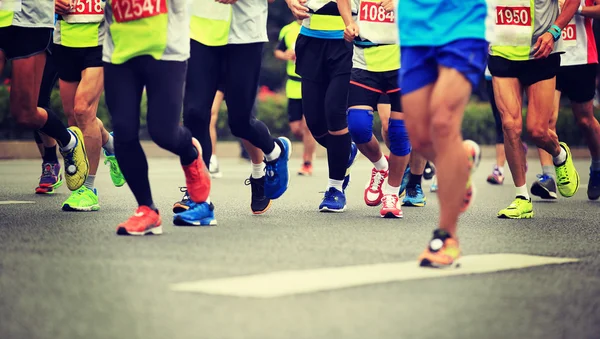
{"points": [[131, 10], [87, 7]]}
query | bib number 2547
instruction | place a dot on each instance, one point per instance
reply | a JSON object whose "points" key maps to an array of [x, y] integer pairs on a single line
{"points": [[131, 10]]}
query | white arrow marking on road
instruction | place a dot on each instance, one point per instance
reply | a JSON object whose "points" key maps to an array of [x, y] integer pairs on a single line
{"points": [[284, 283], [10, 202]]}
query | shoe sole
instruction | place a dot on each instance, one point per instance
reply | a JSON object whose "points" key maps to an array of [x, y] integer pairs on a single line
{"points": [[390, 215], [151, 231], [81, 143], [430, 264], [494, 182], [304, 174], [49, 189], [181, 222], [68, 208], [411, 204], [216, 175], [540, 191], [528, 215], [593, 197], [264, 210], [179, 209], [327, 210]]}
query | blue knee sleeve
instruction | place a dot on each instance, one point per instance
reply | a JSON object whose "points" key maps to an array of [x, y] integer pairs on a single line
{"points": [[399, 142], [360, 125]]}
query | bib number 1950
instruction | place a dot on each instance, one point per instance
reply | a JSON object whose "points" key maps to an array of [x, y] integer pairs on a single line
{"points": [[131, 10], [513, 16]]}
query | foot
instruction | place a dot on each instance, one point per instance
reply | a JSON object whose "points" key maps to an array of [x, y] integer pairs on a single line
{"points": [[373, 191], [474, 156], [443, 251], [115, 171], [306, 169], [567, 178], [197, 178], [51, 178], [76, 164], [82, 200], [391, 207], [213, 168], [404, 182], [520, 208], [184, 204], [144, 221], [414, 197], [196, 215], [333, 201], [544, 187], [434, 185], [593, 190], [353, 154], [496, 178], [259, 202], [277, 177], [429, 171]]}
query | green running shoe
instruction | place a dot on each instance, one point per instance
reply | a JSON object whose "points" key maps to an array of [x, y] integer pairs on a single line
{"points": [[82, 200], [520, 208], [115, 171], [567, 178]]}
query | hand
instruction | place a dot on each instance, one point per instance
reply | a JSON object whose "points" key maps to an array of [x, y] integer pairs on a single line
{"points": [[544, 46], [226, 2], [298, 9], [290, 55], [62, 7], [390, 5], [351, 32]]}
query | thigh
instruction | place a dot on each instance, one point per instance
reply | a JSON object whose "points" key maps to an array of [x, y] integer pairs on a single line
{"points": [[365, 89], [419, 68], [202, 78], [294, 110], [90, 89], [540, 107], [49, 78], [310, 58], [336, 102], [467, 56], [69, 62], [392, 89], [537, 70], [25, 82], [508, 95], [165, 81], [241, 78], [24, 42], [123, 87], [338, 57], [313, 106], [578, 83]]}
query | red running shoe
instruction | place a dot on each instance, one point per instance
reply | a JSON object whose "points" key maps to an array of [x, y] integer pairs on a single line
{"points": [[144, 221], [197, 177]]}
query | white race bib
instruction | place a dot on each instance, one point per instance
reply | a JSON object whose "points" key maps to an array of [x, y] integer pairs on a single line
{"points": [[377, 25], [569, 33], [10, 5], [513, 23], [210, 9], [86, 11]]}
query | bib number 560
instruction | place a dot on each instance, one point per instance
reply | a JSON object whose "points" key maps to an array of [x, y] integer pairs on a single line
{"points": [[131, 10]]}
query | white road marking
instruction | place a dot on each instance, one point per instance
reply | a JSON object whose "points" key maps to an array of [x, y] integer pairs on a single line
{"points": [[284, 283], [11, 202]]}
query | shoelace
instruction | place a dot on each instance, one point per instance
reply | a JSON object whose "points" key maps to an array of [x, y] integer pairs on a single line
{"points": [[186, 196], [562, 175], [257, 188], [376, 181], [48, 170], [389, 201]]}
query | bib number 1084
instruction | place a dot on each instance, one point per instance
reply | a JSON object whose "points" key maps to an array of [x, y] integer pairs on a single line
{"points": [[372, 12], [131, 10]]}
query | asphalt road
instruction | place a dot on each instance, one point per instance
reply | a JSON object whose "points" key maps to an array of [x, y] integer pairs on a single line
{"points": [[67, 275]]}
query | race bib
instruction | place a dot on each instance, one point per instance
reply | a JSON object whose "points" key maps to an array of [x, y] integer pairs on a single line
{"points": [[10, 5], [377, 25], [85, 11], [210, 9], [569, 34], [513, 23], [132, 10]]}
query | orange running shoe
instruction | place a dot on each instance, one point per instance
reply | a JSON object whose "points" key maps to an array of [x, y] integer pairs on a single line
{"points": [[474, 154], [306, 169], [442, 252], [197, 177], [144, 221]]}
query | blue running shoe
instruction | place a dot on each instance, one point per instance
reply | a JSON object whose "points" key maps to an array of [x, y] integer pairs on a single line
{"points": [[414, 197], [196, 215], [593, 190], [334, 201], [544, 187], [353, 154], [277, 177], [404, 182]]}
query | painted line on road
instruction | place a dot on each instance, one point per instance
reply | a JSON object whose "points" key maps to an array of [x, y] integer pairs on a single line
{"points": [[11, 202], [285, 283]]}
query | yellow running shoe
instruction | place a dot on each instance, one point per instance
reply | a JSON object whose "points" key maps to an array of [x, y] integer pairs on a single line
{"points": [[82, 200], [520, 208], [76, 162], [567, 178]]}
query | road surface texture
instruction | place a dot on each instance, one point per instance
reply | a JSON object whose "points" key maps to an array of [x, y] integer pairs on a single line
{"points": [[68, 275]]}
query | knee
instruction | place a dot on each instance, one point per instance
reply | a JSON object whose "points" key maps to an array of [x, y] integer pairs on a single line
{"points": [[399, 141], [193, 116], [25, 115], [585, 120], [360, 125], [297, 129], [84, 113], [512, 127], [239, 127], [163, 138], [537, 134]]}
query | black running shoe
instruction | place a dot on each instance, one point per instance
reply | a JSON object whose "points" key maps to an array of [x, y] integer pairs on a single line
{"points": [[429, 171], [544, 187], [260, 203]]}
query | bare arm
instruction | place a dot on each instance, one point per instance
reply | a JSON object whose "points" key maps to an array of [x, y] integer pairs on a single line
{"points": [[345, 11], [591, 11], [569, 9]]}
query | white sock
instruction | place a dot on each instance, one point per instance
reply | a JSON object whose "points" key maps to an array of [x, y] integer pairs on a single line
{"points": [[595, 165], [337, 184], [109, 147], [561, 157], [213, 158], [522, 192], [70, 145], [274, 154], [381, 164], [500, 169], [388, 189], [89, 182], [258, 170], [208, 200]]}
